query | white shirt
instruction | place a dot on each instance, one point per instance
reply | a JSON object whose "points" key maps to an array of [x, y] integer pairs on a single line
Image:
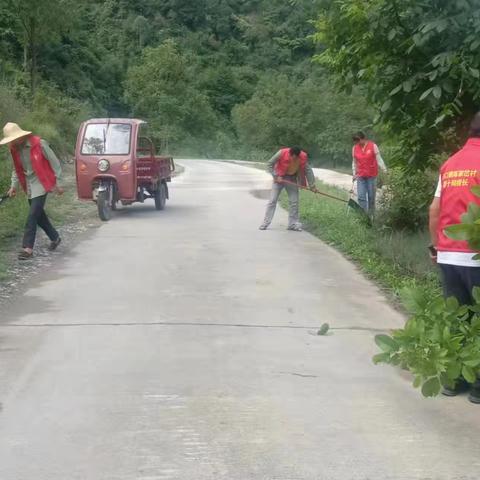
{"points": [[459, 259]]}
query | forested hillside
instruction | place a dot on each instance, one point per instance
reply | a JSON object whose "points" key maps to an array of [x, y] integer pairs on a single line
{"points": [[213, 77]]}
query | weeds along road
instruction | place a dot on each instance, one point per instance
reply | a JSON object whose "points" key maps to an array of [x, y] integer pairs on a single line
{"points": [[178, 345]]}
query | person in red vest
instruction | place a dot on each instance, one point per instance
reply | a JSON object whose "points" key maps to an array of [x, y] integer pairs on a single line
{"points": [[460, 272], [37, 170], [290, 164], [366, 163]]}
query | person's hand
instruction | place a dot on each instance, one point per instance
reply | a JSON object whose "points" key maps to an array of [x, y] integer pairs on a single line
{"points": [[355, 177], [12, 192], [59, 190], [433, 254], [278, 179]]}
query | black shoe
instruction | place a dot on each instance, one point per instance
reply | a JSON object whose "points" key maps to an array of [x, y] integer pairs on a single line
{"points": [[263, 226], [53, 245], [474, 395], [460, 387]]}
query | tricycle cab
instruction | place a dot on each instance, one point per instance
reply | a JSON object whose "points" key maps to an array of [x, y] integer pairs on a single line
{"points": [[106, 150], [113, 157]]}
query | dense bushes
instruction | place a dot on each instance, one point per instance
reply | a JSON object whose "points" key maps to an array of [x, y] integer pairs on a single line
{"points": [[405, 199]]}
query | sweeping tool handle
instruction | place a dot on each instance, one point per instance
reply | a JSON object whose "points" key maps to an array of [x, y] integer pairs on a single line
{"points": [[318, 193]]}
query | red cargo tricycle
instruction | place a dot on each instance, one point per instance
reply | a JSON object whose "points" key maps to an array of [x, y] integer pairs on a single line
{"points": [[116, 162]]}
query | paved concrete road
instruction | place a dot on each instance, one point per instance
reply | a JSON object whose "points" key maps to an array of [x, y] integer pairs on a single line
{"points": [[177, 345]]}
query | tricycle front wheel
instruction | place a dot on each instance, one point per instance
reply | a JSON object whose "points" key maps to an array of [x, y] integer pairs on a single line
{"points": [[104, 206], [161, 196]]}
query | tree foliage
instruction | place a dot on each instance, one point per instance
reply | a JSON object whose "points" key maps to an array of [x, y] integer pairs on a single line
{"points": [[418, 62], [310, 113], [183, 65], [162, 87]]}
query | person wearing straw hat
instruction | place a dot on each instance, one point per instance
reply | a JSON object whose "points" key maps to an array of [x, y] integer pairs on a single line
{"points": [[37, 170]]}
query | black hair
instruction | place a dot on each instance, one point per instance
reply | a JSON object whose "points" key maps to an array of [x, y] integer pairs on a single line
{"points": [[296, 151], [475, 126], [359, 136]]}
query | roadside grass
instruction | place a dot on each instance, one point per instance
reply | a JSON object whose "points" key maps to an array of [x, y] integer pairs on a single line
{"points": [[395, 260], [13, 213]]}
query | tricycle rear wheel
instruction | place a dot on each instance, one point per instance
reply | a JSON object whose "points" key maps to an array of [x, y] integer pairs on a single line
{"points": [[161, 196], [104, 206]]}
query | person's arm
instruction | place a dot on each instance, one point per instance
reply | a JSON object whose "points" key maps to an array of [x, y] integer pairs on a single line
{"points": [[354, 163], [14, 184], [434, 217], [53, 160], [272, 162], [381, 163]]}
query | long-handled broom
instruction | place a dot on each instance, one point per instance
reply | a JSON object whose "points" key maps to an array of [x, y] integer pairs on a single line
{"points": [[351, 203]]}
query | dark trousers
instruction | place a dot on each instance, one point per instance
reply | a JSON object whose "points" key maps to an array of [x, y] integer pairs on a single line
{"points": [[459, 282], [37, 216]]}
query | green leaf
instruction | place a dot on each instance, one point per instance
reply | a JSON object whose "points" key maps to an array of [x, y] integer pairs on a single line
{"points": [[440, 119], [386, 105], [408, 86], [437, 92], [452, 304], [458, 232], [432, 387], [476, 294], [381, 358], [392, 34], [386, 343], [396, 90], [413, 299], [323, 329], [426, 93], [475, 72], [454, 371], [417, 382], [469, 374], [476, 190], [472, 363]]}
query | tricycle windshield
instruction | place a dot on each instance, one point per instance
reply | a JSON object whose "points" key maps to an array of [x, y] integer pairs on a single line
{"points": [[107, 139]]}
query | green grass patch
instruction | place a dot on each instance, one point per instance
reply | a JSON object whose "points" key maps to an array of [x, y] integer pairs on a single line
{"points": [[395, 260]]}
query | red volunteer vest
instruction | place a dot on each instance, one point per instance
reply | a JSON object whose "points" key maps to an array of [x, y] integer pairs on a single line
{"points": [[40, 165], [283, 163], [366, 160], [458, 175]]}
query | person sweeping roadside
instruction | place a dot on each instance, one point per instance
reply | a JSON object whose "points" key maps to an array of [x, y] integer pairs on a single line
{"points": [[290, 169], [37, 170]]}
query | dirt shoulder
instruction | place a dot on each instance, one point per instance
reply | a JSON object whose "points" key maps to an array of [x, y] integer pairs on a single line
{"points": [[73, 219]]}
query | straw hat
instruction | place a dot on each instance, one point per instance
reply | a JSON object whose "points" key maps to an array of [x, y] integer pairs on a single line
{"points": [[12, 132]]}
